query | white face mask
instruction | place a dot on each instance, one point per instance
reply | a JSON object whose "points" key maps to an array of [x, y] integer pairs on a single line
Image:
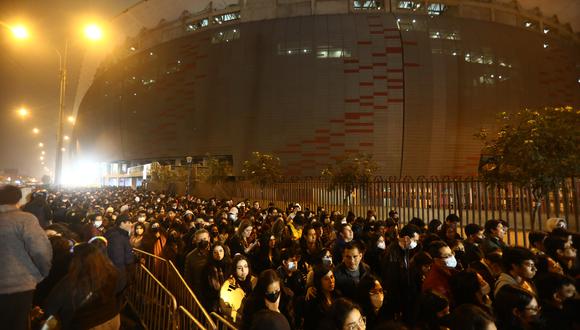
{"points": [[291, 266], [451, 262], [141, 219], [327, 261], [98, 223], [373, 218], [381, 245], [412, 245]]}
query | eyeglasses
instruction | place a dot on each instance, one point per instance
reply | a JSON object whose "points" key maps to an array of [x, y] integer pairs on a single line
{"points": [[360, 324]]}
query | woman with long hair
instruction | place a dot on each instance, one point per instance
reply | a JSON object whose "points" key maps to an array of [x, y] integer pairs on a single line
{"points": [[87, 297], [516, 308], [371, 298], [240, 283], [215, 273], [137, 235], [318, 307], [344, 315], [240, 242], [267, 304]]}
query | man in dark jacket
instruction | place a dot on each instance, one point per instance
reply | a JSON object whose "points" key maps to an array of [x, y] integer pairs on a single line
{"points": [[39, 207], [348, 274], [396, 274], [26, 259], [119, 248]]}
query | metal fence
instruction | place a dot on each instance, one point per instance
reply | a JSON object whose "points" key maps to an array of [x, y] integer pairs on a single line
{"points": [[168, 274], [427, 198], [155, 305], [188, 321], [222, 323]]}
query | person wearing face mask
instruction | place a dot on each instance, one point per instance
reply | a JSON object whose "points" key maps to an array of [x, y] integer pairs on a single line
{"points": [[290, 275], [516, 309], [119, 247], [137, 235], [264, 309], [396, 275], [371, 298], [553, 291], [377, 246], [444, 263]]}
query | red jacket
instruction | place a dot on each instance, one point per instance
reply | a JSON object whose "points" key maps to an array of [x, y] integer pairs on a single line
{"points": [[437, 280]]}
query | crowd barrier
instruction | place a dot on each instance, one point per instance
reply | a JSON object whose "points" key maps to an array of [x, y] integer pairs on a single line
{"points": [[222, 323], [155, 305], [169, 275], [188, 321]]}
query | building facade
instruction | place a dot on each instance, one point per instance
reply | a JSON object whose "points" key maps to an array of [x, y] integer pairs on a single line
{"points": [[410, 82]]}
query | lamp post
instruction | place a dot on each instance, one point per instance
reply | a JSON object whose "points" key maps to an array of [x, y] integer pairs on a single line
{"points": [[189, 159], [62, 62]]}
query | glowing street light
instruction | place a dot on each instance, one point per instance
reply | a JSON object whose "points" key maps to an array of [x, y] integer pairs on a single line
{"points": [[40, 144], [42, 152], [35, 130], [19, 32], [66, 138], [23, 112], [41, 157], [93, 32], [63, 149], [71, 119]]}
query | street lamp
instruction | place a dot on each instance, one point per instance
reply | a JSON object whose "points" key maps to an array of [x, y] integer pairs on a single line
{"points": [[35, 130], [19, 32], [23, 112], [92, 32]]}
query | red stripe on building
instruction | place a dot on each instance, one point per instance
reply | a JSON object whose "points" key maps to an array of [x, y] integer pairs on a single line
{"points": [[379, 77], [394, 70], [395, 101], [380, 64], [412, 64], [394, 50], [364, 42], [351, 100], [366, 144], [350, 70], [359, 124], [411, 43], [350, 61], [365, 83], [381, 93]]}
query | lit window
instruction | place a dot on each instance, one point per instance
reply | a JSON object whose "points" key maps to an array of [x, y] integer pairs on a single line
{"points": [[196, 25], [367, 4], [435, 8], [226, 17]]}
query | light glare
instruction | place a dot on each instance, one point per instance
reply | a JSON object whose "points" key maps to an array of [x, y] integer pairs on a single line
{"points": [[19, 32], [35, 130], [93, 32]]}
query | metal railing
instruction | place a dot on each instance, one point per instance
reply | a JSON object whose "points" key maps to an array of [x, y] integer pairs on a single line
{"points": [[155, 305], [169, 275], [186, 297], [188, 321], [428, 198], [222, 323], [155, 264]]}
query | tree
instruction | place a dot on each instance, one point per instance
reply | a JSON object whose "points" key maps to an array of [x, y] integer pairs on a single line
{"points": [[163, 177], [262, 169], [350, 172], [533, 149], [217, 170]]}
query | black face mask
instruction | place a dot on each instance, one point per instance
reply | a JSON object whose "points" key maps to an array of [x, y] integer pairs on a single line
{"points": [[272, 297], [203, 245]]}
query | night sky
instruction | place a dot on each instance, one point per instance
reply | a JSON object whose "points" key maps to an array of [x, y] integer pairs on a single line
{"points": [[29, 69]]}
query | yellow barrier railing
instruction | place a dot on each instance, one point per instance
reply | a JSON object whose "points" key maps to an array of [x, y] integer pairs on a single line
{"points": [[155, 264], [186, 297], [188, 321], [222, 323], [155, 305]]}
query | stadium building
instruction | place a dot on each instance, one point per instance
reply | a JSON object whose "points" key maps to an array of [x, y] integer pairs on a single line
{"points": [[410, 82]]}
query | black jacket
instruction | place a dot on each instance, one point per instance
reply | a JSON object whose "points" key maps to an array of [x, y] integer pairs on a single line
{"points": [[344, 281]]}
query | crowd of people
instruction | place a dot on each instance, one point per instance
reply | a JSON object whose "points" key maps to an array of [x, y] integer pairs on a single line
{"points": [[68, 255]]}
